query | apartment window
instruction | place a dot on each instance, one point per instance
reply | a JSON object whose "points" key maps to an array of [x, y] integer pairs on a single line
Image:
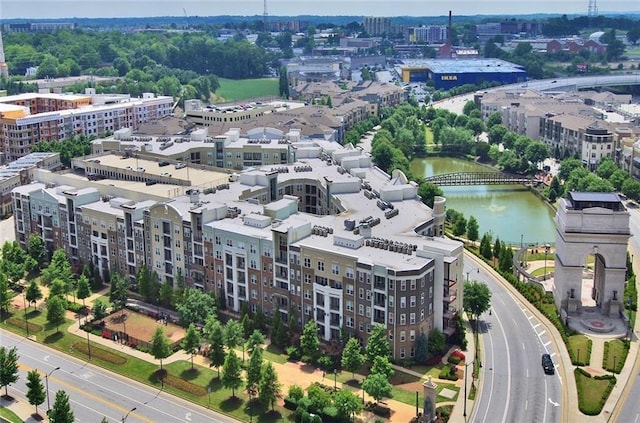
{"points": [[307, 262], [390, 319], [430, 309], [307, 278], [403, 319], [349, 272], [229, 243], [321, 265], [368, 312], [413, 284], [349, 305], [403, 302], [422, 315], [335, 269], [349, 322], [391, 301], [412, 335], [422, 298], [390, 284], [252, 248], [360, 326], [402, 336], [361, 293], [368, 295], [430, 292], [412, 318], [349, 289], [403, 285], [361, 309], [412, 301]]}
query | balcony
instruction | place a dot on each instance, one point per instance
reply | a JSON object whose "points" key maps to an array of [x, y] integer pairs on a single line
{"points": [[450, 296], [448, 283]]}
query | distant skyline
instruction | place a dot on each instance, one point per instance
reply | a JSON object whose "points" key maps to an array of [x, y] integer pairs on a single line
{"points": [[60, 9]]}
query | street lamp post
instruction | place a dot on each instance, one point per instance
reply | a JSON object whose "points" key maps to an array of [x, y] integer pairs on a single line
{"points": [[88, 345], [26, 320], [46, 382], [124, 418], [335, 379], [578, 359], [546, 251], [464, 414], [629, 326]]}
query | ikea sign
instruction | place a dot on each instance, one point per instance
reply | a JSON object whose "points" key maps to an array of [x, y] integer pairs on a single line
{"points": [[449, 77]]}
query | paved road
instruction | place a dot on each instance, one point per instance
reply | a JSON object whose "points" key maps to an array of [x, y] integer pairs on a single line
{"points": [[514, 387], [630, 411], [96, 393]]}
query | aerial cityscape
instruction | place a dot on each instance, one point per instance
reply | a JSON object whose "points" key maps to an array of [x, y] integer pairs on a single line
{"points": [[319, 212]]}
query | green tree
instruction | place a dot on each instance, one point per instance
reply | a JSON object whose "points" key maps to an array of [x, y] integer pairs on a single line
{"points": [[347, 403], [8, 368], [233, 334], [56, 306], [382, 365], [6, 294], [254, 370], [631, 188], [270, 387], [59, 268], [377, 344], [485, 247], [37, 249], [428, 191], [460, 226], [166, 294], [255, 340], [497, 248], [421, 348], [191, 342], [505, 261], [377, 386], [437, 341], [35, 389], [160, 346], [278, 333], [118, 291], [468, 107], [494, 119], [57, 288], [61, 410], [194, 306], [214, 334], [472, 229], [83, 290], [352, 356], [232, 372], [309, 341], [33, 293], [99, 308], [476, 299]]}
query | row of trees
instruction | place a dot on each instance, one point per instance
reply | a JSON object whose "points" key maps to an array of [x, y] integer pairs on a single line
{"points": [[36, 394]]}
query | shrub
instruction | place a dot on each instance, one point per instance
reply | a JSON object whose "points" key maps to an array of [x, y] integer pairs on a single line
{"points": [[75, 307], [295, 392], [293, 352], [454, 360], [99, 353], [459, 354], [184, 385]]}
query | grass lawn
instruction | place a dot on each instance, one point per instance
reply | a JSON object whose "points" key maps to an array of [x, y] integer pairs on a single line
{"points": [[428, 136], [273, 353], [615, 354], [232, 90], [592, 393], [9, 415], [145, 372], [579, 350], [540, 271]]}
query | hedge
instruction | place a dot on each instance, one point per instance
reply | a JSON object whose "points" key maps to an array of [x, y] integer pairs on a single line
{"points": [[184, 385], [100, 353], [592, 409], [20, 323]]}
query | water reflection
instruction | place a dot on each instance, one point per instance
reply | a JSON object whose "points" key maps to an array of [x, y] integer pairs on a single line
{"points": [[510, 212]]}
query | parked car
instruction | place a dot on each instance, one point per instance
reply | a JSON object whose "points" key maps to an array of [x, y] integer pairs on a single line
{"points": [[547, 364], [165, 174], [180, 165], [163, 163], [140, 169], [151, 182]]}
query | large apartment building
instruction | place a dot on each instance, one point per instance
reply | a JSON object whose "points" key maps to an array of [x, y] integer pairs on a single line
{"points": [[26, 119], [330, 238], [570, 123]]}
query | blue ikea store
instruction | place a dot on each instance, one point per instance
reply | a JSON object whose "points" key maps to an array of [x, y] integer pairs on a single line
{"points": [[450, 73]]}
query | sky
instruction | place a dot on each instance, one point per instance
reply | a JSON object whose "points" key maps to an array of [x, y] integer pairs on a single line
{"points": [[48, 9]]}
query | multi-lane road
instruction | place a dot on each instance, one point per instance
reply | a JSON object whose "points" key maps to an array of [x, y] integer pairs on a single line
{"points": [[514, 387], [96, 393]]}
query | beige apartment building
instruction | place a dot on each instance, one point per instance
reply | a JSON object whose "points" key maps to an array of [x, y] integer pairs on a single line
{"points": [[330, 238]]}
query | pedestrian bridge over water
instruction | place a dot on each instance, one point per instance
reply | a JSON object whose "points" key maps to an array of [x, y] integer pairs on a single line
{"points": [[480, 178]]}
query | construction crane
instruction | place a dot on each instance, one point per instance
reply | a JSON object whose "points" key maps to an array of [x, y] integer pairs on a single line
{"points": [[593, 9]]}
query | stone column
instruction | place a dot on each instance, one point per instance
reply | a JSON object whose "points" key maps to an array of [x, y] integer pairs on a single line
{"points": [[429, 388]]}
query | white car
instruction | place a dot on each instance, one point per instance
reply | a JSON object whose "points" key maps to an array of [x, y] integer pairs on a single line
{"points": [[180, 165], [165, 174]]}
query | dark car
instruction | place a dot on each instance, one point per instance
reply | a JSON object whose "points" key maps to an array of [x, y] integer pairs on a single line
{"points": [[163, 163], [547, 364]]}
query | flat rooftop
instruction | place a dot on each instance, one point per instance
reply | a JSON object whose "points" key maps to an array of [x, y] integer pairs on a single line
{"points": [[464, 65]]}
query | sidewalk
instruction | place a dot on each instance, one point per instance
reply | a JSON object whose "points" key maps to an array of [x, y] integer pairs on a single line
{"points": [[21, 407]]}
